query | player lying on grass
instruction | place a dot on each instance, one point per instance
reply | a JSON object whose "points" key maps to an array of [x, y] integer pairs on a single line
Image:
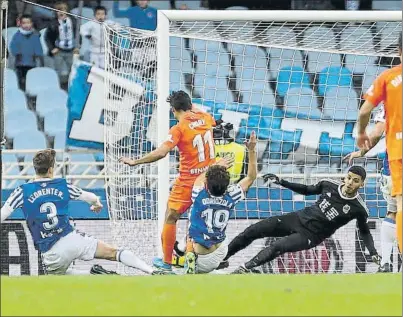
{"points": [[214, 199], [194, 138], [388, 229], [338, 204], [387, 88], [44, 202]]}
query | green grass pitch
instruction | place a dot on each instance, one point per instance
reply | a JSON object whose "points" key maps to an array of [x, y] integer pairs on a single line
{"points": [[208, 295]]}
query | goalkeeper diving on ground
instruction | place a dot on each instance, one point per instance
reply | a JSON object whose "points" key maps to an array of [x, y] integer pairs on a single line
{"points": [[44, 202], [338, 204]]}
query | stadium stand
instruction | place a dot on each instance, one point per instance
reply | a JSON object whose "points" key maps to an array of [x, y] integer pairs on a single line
{"points": [[40, 79]]}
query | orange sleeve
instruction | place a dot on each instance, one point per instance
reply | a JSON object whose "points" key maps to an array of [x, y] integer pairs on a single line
{"points": [[376, 93], [174, 137]]}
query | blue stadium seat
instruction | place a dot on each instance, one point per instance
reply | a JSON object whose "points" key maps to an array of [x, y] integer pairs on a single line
{"points": [[370, 75], [291, 77], [49, 100], [280, 58], [302, 100], [160, 5], [31, 140], [10, 79], [60, 140], [358, 64], [176, 80], [41, 78], [333, 77], [15, 100], [212, 88], [211, 63], [9, 33], [56, 121], [83, 164], [341, 104], [20, 122], [10, 167]]}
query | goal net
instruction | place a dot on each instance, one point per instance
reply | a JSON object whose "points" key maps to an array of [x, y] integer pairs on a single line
{"points": [[298, 84]]}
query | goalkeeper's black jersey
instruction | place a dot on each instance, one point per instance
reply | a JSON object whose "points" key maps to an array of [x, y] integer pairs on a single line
{"points": [[332, 210]]}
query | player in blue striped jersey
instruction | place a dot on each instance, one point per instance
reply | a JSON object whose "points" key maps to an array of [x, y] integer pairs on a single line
{"points": [[44, 202], [214, 200], [388, 228]]}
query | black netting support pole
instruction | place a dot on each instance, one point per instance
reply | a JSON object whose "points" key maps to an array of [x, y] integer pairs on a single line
{"points": [[3, 5]]}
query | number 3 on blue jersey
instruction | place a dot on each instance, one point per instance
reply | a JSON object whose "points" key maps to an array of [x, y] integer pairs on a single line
{"points": [[215, 219], [51, 211]]}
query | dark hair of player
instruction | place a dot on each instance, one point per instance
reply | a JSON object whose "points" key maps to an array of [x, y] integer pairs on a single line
{"points": [[26, 16], [43, 161], [217, 180], [358, 170], [180, 100], [100, 8]]}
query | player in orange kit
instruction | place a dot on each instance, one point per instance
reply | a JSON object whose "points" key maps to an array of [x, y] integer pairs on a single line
{"points": [[387, 88], [193, 136]]}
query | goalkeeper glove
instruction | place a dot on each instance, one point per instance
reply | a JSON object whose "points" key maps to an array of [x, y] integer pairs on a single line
{"points": [[376, 258], [271, 178]]}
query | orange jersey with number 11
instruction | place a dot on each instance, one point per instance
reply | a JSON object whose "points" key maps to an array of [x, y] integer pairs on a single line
{"points": [[193, 135], [388, 88]]}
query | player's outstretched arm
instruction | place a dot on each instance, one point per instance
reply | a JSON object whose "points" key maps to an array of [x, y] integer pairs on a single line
{"points": [[368, 239], [153, 156], [374, 137], [363, 141], [12, 203], [247, 182], [295, 187], [77, 193]]}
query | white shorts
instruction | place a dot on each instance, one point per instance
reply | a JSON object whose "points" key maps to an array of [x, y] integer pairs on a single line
{"points": [[98, 59], [209, 262], [386, 188], [75, 245]]}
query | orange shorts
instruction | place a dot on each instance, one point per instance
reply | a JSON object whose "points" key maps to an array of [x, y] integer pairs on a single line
{"points": [[180, 198], [396, 173]]}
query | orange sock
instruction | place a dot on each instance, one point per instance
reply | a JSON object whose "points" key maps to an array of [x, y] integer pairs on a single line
{"points": [[399, 229], [168, 241]]}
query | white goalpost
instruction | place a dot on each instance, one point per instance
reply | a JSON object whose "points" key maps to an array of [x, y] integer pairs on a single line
{"points": [[295, 77]]}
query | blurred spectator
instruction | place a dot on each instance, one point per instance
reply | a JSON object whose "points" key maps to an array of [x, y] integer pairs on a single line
{"points": [[141, 16], [94, 32], [312, 5], [61, 40], [27, 49], [251, 4]]}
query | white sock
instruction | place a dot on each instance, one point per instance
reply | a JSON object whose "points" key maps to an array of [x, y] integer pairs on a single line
{"points": [[128, 258], [388, 236]]}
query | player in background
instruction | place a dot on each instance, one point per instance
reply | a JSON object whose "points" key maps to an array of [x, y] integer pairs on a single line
{"points": [[214, 199], [338, 204], [193, 135], [387, 88], [44, 202], [388, 229], [225, 146]]}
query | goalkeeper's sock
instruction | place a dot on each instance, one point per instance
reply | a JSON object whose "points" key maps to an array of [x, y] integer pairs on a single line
{"points": [[388, 229], [168, 241], [399, 228], [128, 258]]}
